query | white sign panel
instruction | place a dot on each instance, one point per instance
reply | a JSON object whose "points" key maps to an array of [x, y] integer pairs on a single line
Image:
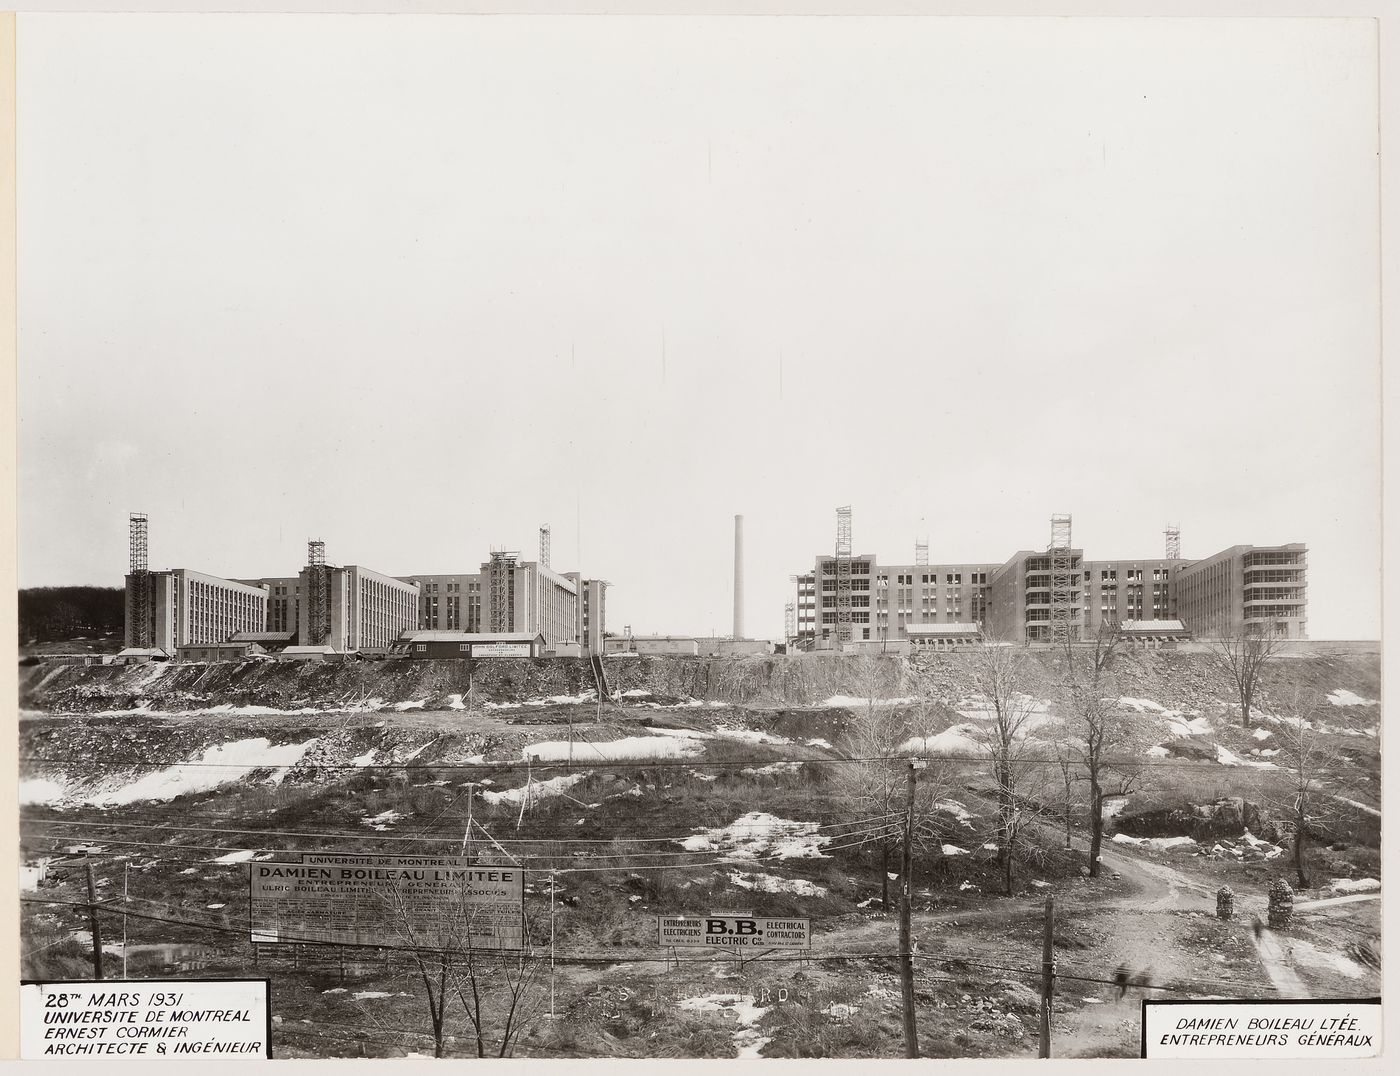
{"points": [[415, 901], [186, 1020], [500, 650], [1262, 1029], [735, 932]]}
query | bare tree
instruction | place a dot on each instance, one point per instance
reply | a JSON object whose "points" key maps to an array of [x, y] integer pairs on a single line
{"points": [[1016, 763], [883, 737], [1312, 769], [460, 955], [1242, 654], [1099, 739]]}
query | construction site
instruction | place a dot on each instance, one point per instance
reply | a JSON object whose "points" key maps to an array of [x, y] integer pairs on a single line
{"points": [[955, 869]]}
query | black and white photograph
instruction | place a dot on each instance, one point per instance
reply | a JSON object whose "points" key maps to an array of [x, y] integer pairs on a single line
{"points": [[698, 537]]}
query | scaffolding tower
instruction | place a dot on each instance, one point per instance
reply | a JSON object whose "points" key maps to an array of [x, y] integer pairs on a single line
{"points": [[1173, 533], [318, 621], [789, 623], [140, 573], [501, 571], [921, 550], [1062, 590], [544, 546], [843, 575]]}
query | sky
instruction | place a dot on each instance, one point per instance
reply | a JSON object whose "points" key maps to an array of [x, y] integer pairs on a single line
{"points": [[417, 285]]}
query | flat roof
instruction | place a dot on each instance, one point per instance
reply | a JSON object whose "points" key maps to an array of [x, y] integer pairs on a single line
{"points": [[941, 629], [471, 636]]}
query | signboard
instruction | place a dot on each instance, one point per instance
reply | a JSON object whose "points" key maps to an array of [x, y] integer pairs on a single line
{"points": [[1273, 1028], [153, 1019], [735, 932], [428, 902], [500, 650]]}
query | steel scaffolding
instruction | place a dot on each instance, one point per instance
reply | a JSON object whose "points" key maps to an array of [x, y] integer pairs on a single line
{"points": [[544, 546], [1173, 533], [843, 574], [501, 570], [318, 627], [1062, 582], [140, 580]]}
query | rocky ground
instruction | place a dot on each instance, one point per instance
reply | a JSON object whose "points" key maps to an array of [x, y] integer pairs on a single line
{"points": [[697, 786]]}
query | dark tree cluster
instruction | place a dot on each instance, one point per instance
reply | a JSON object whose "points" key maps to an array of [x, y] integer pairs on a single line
{"points": [[53, 614]]}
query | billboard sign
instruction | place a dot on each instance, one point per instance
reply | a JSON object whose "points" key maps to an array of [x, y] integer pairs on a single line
{"points": [[500, 650], [151, 1019], [734, 932], [428, 902]]}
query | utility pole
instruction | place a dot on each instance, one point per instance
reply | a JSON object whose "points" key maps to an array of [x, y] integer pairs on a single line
{"points": [[126, 879], [1047, 976], [906, 896], [92, 925]]}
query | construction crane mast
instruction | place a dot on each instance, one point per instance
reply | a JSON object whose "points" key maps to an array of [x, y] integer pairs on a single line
{"points": [[1062, 600], [501, 571], [544, 546], [1173, 533], [843, 575], [318, 621], [140, 573], [789, 623]]}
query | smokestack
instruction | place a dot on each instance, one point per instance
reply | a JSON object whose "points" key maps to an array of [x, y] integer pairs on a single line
{"points": [[738, 577]]}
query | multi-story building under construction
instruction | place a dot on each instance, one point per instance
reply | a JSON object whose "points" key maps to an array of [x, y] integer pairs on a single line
{"points": [[1261, 588]]}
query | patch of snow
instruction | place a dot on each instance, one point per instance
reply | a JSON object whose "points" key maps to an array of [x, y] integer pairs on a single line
{"points": [[818, 743], [1158, 751], [966, 885], [36, 791], [1343, 697], [365, 759], [1226, 757], [772, 769], [215, 907], [953, 741], [850, 701], [957, 809], [772, 883], [750, 736], [416, 705], [1324, 958], [759, 834], [704, 776], [747, 1041], [236, 857], [954, 850], [1113, 806], [1262, 734], [538, 790], [367, 995], [1352, 803], [454, 702], [216, 766], [564, 700], [635, 693], [684, 734], [630, 747], [383, 820], [1353, 885]]}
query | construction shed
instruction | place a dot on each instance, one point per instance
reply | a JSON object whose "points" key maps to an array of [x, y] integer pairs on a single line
{"points": [[270, 641], [229, 651], [470, 644]]}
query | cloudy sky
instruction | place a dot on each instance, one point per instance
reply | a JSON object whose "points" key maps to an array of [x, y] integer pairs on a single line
{"points": [[418, 285]]}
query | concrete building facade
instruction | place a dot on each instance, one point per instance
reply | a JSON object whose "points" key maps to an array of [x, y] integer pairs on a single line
{"points": [[1257, 587], [1245, 587], [365, 609], [450, 602], [185, 607], [525, 596]]}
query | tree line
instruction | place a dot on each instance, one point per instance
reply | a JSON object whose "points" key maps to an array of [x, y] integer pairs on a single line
{"points": [[53, 614]]}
